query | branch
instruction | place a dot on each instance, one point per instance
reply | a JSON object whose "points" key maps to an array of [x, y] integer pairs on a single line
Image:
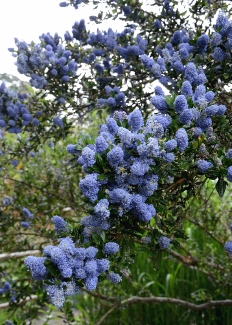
{"points": [[21, 301], [98, 295], [194, 261], [106, 315], [174, 301], [18, 254]]}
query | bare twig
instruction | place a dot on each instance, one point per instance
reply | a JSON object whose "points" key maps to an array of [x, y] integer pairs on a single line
{"points": [[22, 301], [107, 314], [18, 254], [173, 301]]}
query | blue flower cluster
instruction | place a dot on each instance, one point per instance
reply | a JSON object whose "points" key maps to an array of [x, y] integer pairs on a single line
{"points": [[73, 263], [6, 289], [128, 148], [200, 116], [46, 61], [164, 242], [221, 39], [13, 111], [29, 216], [74, 3], [115, 100]]}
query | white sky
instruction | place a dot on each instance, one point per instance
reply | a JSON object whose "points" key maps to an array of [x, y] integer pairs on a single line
{"points": [[28, 19]]}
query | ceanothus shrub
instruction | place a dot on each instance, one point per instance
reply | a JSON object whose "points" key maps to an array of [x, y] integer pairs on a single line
{"points": [[134, 159]]}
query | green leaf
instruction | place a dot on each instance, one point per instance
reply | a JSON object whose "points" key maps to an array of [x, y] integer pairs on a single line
{"points": [[101, 195], [101, 177], [221, 187]]}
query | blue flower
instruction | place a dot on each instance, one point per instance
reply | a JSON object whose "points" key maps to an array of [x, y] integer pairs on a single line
{"points": [[88, 156], [156, 71], [111, 248], [216, 39], [157, 24], [229, 174], [91, 283], [25, 224], [98, 68], [36, 266], [102, 265], [58, 121], [191, 72], [170, 145], [90, 186], [168, 157], [101, 209], [127, 10], [229, 153], [114, 277], [159, 91], [56, 294], [222, 20], [144, 212], [221, 110], [180, 104], [67, 245], [112, 125], [218, 54], [204, 123], [211, 110], [121, 197], [181, 138], [178, 66], [91, 252], [60, 224], [140, 167], [203, 165], [228, 247], [186, 116], [135, 120], [91, 267], [115, 156], [164, 242], [147, 61], [159, 103], [209, 96], [71, 148], [202, 43], [28, 214], [101, 144]]}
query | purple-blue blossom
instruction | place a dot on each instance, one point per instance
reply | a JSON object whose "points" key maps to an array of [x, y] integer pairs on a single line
{"points": [[170, 145], [115, 156], [181, 138], [164, 242], [90, 186], [228, 247], [229, 174], [203, 165], [114, 277], [135, 120], [36, 266], [111, 248], [180, 104], [101, 144], [160, 103]]}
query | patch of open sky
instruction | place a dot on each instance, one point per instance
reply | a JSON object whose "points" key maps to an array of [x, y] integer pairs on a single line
{"points": [[27, 20]]}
